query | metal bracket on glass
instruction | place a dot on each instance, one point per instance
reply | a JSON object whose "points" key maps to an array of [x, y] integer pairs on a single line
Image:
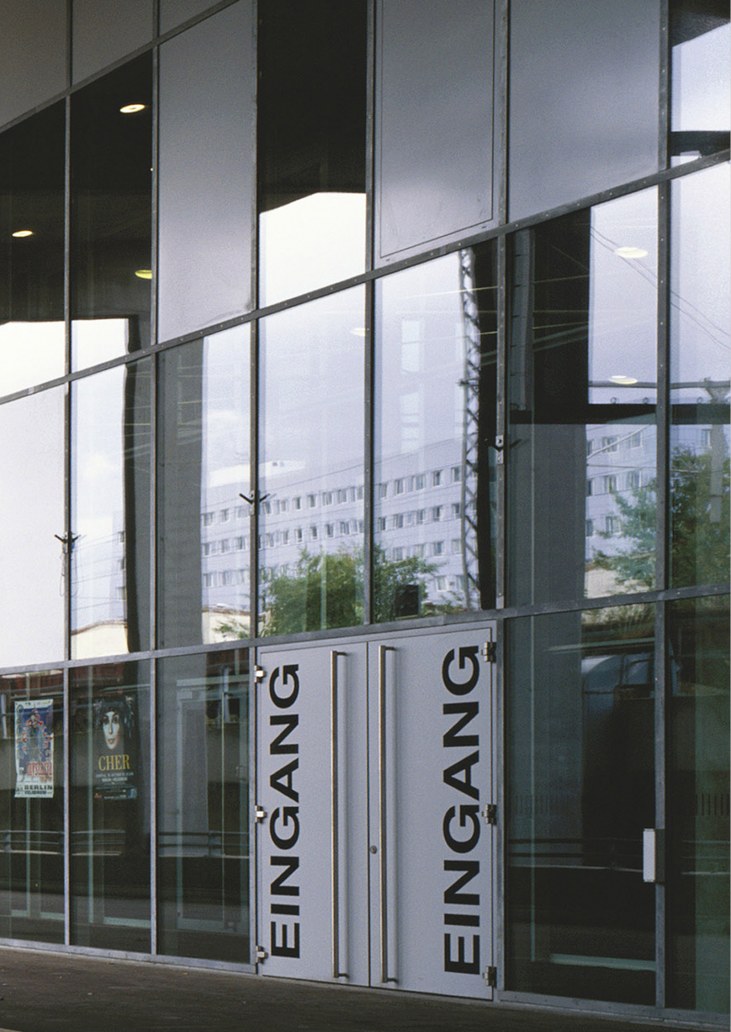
{"points": [[259, 673], [489, 812], [68, 541], [499, 447], [254, 497], [261, 953], [260, 813]]}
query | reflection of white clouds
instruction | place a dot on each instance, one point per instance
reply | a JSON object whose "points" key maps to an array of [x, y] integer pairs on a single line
{"points": [[238, 474], [94, 529], [30, 353], [98, 465], [98, 340], [700, 82], [311, 242]]}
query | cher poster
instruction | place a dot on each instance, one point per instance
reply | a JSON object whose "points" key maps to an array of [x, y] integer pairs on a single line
{"points": [[115, 755], [34, 749]]}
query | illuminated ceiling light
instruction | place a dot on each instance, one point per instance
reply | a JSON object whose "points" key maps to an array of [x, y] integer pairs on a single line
{"points": [[623, 381], [132, 109], [21, 233], [630, 252], [143, 273]]}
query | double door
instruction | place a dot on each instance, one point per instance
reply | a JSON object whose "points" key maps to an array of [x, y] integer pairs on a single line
{"points": [[374, 811]]}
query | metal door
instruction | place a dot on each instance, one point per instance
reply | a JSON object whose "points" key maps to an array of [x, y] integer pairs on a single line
{"points": [[374, 811], [431, 808]]}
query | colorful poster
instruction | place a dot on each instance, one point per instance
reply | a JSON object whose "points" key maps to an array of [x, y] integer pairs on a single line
{"points": [[34, 749], [115, 754]]}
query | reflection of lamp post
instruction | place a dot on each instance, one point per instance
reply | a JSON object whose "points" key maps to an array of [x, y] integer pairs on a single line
{"points": [[718, 392]]}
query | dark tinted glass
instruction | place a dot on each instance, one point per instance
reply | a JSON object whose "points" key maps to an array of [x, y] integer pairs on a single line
{"points": [[204, 474], [312, 368], [174, 12], [700, 116], [203, 811], [580, 732], [105, 31], [32, 518], [206, 172], [110, 808], [32, 54], [584, 95], [311, 118], [700, 319], [434, 121], [110, 512], [698, 823], [111, 176], [581, 456], [32, 343], [435, 461], [32, 806]]}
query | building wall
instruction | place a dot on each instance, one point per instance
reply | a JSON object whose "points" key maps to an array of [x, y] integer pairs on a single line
{"points": [[322, 321]]}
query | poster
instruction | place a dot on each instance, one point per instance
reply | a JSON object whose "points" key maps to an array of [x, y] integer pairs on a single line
{"points": [[34, 749], [115, 754]]}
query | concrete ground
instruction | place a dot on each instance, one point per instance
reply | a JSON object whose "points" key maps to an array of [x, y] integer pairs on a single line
{"points": [[46, 992]]}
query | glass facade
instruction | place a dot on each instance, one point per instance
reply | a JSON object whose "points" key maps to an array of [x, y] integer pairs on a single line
{"points": [[320, 321]]}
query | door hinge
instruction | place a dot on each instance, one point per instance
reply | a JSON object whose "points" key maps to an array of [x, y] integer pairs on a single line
{"points": [[489, 651], [490, 977], [489, 812], [259, 813], [259, 673], [261, 954]]}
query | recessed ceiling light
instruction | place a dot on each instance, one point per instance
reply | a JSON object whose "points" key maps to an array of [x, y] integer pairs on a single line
{"points": [[132, 109], [143, 273], [20, 233], [630, 252], [624, 381]]}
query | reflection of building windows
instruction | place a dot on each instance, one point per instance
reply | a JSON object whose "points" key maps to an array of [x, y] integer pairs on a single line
{"points": [[285, 537], [382, 490], [327, 497], [282, 505], [420, 516], [398, 521], [225, 545], [312, 500], [297, 502], [609, 444], [240, 512], [589, 488], [208, 518], [456, 546], [437, 548], [436, 478], [589, 446], [329, 530], [456, 474], [706, 437], [239, 543], [633, 479], [298, 535], [436, 513], [313, 533], [419, 482], [611, 524], [610, 483], [121, 593], [398, 486], [342, 495], [590, 528], [224, 515], [344, 524], [440, 583], [120, 536], [456, 510], [397, 554], [635, 440]]}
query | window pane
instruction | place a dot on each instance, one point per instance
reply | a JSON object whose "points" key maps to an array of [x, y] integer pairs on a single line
{"points": [[203, 812], [110, 807], [701, 88], [111, 175], [580, 732], [206, 523], [581, 459], [584, 98], [698, 783], [311, 446], [32, 341], [110, 512], [435, 461], [175, 12], [206, 173], [700, 321], [31, 560], [34, 38], [311, 152], [105, 31], [434, 121], [31, 806]]}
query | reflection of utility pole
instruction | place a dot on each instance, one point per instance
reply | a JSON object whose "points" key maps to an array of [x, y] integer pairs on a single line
{"points": [[471, 430], [718, 392]]}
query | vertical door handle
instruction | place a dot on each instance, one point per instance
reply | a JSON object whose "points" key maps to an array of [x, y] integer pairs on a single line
{"points": [[384, 814], [335, 815]]}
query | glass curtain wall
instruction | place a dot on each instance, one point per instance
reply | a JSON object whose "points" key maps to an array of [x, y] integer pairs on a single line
{"points": [[110, 806], [32, 793], [581, 788], [435, 420], [203, 806], [582, 394]]}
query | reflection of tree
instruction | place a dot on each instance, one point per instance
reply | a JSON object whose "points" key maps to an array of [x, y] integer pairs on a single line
{"points": [[326, 590], [699, 522]]}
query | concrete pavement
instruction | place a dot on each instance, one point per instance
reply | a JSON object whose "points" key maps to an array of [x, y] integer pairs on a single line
{"points": [[46, 992]]}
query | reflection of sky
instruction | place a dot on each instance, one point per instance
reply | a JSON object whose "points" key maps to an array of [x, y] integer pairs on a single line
{"points": [[30, 353], [98, 340], [700, 82], [700, 316], [309, 243], [312, 365], [623, 300], [225, 410], [98, 496]]}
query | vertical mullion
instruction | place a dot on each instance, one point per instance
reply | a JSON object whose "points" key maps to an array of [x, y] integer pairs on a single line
{"points": [[501, 429], [660, 735], [153, 808], [66, 809], [254, 480], [369, 601], [369, 142]]}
